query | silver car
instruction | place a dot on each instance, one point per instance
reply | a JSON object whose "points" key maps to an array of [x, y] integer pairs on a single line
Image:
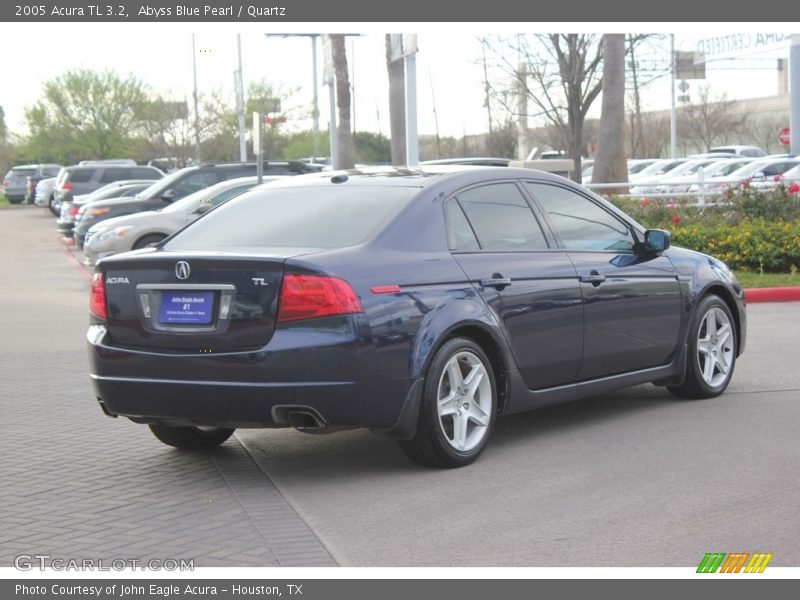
{"points": [[131, 232], [44, 193]]}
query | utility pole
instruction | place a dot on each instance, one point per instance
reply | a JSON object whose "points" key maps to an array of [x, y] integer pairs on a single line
{"points": [[673, 142], [240, 102], [794, 95], [412, 141], [194, 96]]}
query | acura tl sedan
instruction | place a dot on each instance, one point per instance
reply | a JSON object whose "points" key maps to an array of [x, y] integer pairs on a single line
{"points": [[419, 303]]}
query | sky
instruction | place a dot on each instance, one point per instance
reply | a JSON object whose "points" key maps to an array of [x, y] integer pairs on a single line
{"points": [[449, 69]]}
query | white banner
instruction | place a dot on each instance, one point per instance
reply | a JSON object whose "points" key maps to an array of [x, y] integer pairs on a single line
{"points": [[733, 45]]}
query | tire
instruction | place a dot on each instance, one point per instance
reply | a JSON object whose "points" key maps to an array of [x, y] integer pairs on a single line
{"points": [[148, 240], [191, 438], [51, 204], [455, 424], [712, 351]]}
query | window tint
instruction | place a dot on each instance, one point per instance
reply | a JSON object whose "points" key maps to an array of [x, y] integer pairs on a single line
{"points": [[80, 175], [306, 217], [582, 224], [501, 218], [114, 174], [50, 171], [459, 233], [144, 174], [193, 183], [228, 194]]}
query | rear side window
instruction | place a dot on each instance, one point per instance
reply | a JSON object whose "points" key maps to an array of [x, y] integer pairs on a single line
{"points": [[141, 173], [115, 174], [80, 175], [50, 171], [306, 217], [501, 218]]}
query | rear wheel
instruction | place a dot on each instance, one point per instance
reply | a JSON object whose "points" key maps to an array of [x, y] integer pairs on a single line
{"points": [[458, 407], [712, 351], [148, 240], [51, 204], [191, 438]]}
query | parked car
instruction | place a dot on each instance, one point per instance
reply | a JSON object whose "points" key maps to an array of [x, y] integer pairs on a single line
{"points": [[756, 171], [92, 175], [751, 151], [175, 186], [418, 303], [16, 182], [678, 179], [131, 232], [656, 169], [471, 161], [42, 172], [45, 194], [117, 189]]}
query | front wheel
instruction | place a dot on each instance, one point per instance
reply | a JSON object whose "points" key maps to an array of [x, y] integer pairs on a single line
{"points": [[458, 407], [191, 438], [147, 241], [712, 351]]}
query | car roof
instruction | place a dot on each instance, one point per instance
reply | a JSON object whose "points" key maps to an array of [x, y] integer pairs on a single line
{"points": [[420, 176]]}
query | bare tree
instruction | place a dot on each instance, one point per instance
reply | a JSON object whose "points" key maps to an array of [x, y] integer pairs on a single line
{"points": [[610, 162], [710, 120], [344, 130], [561, 80], [397, 102]]}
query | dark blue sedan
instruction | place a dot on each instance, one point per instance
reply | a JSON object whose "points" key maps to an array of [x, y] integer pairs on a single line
{"points": [[419, 303]]}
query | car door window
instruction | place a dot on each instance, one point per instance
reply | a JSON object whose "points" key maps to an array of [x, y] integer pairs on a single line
{"points": [[114, 174], [501, 218], [460, 237], [581, 224], [193, 183]]}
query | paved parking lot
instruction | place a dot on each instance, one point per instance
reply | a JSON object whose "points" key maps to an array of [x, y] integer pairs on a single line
{"points": [[634, 478]]}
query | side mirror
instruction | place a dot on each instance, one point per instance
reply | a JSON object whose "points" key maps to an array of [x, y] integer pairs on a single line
{"points": [[168, 196], [656, 240]]}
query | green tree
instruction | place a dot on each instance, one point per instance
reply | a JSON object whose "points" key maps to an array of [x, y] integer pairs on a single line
{"points": [[85, 114], [372, 148], [2, 126]]}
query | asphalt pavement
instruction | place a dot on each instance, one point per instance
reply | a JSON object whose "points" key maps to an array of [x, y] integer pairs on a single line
{"points": [[631, 478]]}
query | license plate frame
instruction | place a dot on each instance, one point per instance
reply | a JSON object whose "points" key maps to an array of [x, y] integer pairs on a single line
{"points": [[186, 307]]}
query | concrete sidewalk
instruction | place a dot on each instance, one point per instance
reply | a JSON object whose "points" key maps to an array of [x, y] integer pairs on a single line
{"points": [[77, 484]]}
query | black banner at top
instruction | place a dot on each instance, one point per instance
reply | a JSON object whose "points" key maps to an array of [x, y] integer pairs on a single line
{"points": [[371, 11]]}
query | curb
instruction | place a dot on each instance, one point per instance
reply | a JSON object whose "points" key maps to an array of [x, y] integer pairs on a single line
{"points": [[779, 294]]}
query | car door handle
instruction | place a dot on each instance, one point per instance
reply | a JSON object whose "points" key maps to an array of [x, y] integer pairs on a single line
{"points": [[496, 281], [594, 278]]}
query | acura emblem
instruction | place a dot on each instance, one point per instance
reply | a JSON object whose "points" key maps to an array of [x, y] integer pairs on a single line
{"points": [[182, 269]]}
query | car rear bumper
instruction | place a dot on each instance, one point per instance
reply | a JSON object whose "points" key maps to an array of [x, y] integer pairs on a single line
{"points": [[339, 383]]}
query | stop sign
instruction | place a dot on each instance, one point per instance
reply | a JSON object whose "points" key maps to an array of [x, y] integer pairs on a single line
{"points": [[783, 136]]}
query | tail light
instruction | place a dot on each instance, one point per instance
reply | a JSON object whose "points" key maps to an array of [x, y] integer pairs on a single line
{"points": [[66, 187], [312, 296], [97, 299], [73, 210]]}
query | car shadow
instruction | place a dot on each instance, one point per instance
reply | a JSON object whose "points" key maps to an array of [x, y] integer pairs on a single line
{"points": [[359, 453]]}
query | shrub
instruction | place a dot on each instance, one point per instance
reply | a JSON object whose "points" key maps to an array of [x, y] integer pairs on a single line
{"points": [[748, 228]]}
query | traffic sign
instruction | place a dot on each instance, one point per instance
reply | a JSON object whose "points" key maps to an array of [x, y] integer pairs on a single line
{"points": [[783, 136]]}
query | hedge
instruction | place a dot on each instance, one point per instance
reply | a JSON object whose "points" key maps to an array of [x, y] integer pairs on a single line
{"points": [[748, 228]]}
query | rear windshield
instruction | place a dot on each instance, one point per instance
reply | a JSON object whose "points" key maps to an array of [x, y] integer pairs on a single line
{"points": [[306, 217], [21, 172]]}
